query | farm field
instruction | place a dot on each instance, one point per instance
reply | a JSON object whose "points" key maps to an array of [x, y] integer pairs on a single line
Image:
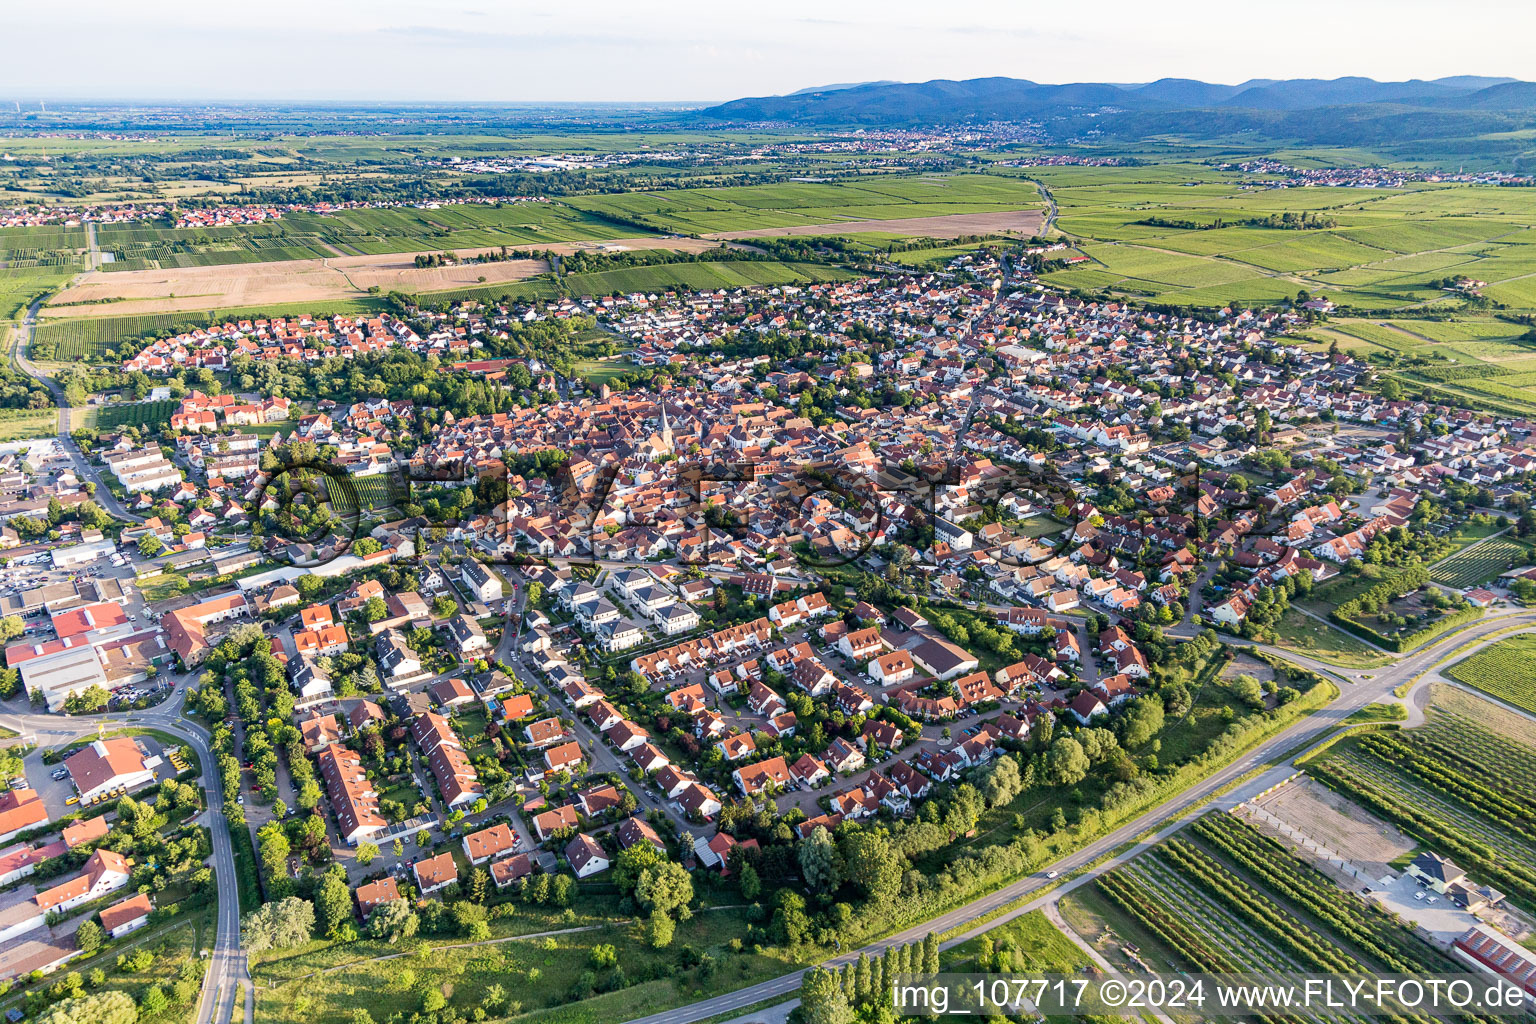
{"points": [[373, 492], [1222, 897], [1506, 670], [116, 291], [360, 232], [136, 414], [93, 338], [662, 277], [1379, 249], [19, 286], [1452, 785], [700, 276], [1480, 564], [815, 208]]}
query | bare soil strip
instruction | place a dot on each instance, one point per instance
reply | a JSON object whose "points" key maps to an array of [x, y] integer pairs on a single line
{"points": [[953, 225]]}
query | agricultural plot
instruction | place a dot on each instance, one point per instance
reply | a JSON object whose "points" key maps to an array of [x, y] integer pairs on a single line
{"points": [[788, 205], [372, 492], [1381, 250], [300, 236], [1480, 564], [1454, 795], [1318, 639], [20, 285], [136, 414], [702, 276], [1506, 670], [1224, 898]]}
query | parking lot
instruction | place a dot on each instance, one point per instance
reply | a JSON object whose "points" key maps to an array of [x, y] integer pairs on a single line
{"points": [[54, 787], [1434, 914]]}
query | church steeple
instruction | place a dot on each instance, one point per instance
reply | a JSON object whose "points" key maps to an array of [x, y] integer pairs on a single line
{"points": [[666, 428]]}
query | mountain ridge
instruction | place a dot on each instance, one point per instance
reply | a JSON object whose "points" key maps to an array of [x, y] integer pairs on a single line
{"points": [[1003, 98]]}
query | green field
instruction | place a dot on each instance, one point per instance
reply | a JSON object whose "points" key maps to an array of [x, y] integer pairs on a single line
{"points": [[372, 492], [538, 975], [1506, 670], [1386, 248], [19, 286], [51, 255], [596, 371], [18, 424], [1306, 635], [709, 210], [350, 233]]}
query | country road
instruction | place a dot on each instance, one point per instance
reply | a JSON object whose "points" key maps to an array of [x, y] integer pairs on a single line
{"points": [[1359, 689]]}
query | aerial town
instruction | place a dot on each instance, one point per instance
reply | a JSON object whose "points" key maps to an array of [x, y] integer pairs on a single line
{"points": [[828, 556]]}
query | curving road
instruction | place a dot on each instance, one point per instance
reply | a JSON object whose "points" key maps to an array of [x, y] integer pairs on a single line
{"points": [[1360, 688], [83, 469], [227, 964]]}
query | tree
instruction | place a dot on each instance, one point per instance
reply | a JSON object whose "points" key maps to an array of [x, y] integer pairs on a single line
{"points": [[479, 884], [630, 864], [667, 889], [375, 610], [309, 585], [367, 853], [333, 900], [150, 545], [870, 862], [1001, 782], [1066, 763], [11, 627], [1248, 690], [88, 937], [1142, 720], [822, 1000], [393, 921], [115, 1007], [748, 881], [659, 929], [818, 862], [282, 925]]}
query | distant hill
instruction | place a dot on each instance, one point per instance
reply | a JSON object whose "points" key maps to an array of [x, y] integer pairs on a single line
{"points": [[851, 85], [1340, 111]]}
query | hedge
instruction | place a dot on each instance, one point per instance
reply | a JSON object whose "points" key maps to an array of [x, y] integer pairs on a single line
{"points": [[1404, 581]]}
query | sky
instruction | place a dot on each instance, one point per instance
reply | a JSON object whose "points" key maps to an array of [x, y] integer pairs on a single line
{"points": [[437, 51]]}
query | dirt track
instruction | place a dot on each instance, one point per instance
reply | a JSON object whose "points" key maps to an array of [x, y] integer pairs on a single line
{"points": [[954, 225], [286, 281]]}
